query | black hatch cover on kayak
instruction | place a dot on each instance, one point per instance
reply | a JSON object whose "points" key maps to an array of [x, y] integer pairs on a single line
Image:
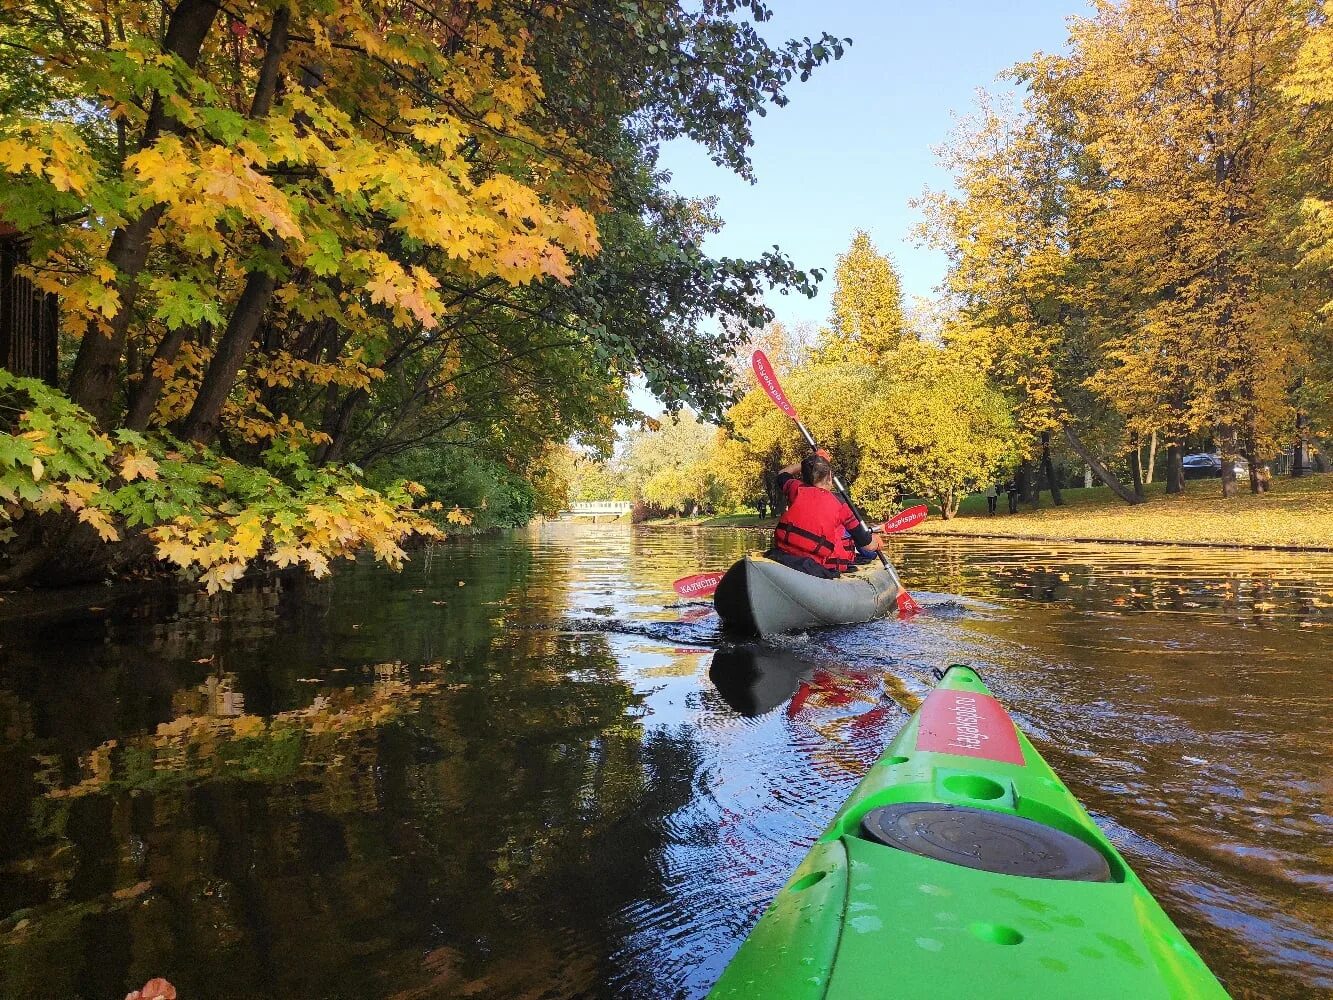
{"points": [[987, 840]]}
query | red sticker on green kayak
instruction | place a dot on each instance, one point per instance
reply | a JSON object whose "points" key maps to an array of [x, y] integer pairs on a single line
{"points": [[969, 725]]}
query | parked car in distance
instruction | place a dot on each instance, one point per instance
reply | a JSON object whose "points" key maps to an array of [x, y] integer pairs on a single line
{"points": [[1209, 466]]}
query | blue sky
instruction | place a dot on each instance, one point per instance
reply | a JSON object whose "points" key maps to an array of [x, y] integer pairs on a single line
{"points": [[854, 145]]}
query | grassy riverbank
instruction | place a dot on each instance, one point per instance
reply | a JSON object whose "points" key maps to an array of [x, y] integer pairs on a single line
{"points": [[743, 519], [1296, 512]]}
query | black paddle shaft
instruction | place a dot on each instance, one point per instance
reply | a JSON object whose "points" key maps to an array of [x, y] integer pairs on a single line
{"points": [[842, 490]]}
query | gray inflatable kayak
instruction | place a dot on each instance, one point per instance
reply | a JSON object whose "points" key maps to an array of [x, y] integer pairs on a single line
{"points": [[758, 596]]}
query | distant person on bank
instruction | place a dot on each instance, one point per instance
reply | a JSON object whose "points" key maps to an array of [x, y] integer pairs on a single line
{"points": [[818, 534], [1011, 489], [992, 498]]}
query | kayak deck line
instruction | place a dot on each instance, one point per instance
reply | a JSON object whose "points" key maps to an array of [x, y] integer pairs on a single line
{"points": [[962, 865]]}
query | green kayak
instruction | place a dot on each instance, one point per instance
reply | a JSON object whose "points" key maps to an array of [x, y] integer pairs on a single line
{"points": [[962, 867]]}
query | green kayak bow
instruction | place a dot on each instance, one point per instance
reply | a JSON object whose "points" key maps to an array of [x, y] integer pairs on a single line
{"points": [[961, 866]]}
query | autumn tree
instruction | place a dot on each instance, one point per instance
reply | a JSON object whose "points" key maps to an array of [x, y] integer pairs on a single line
{"points": [[1020, 279], [360, 231], [1304, 211], [667, 466], [758, 439], [596, 479], [1179, 105], [867, 317], [934, 426]]}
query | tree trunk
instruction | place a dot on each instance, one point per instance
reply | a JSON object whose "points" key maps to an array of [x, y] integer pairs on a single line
{"points": [[1256, 484], [266, 87], [1099, 469], [144, 399], [1048, 469], [338, 428], [1136, 467], [96, 373], [1026, 481], [1152, 459], [777, 500], [1175, 469], [1298, 452], [1227, 449], [202, 423]]}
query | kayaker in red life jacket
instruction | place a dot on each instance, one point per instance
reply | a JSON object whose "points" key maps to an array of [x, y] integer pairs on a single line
{"points": [[818, 532]]}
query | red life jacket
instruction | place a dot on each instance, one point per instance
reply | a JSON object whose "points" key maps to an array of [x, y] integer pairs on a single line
{"points": [[816, 526]]}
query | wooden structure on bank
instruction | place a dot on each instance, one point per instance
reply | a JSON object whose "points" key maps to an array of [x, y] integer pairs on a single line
{"points": [[29, 317]]}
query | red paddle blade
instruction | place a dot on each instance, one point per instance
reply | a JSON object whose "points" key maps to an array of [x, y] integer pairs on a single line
{"points": [[903, 520], [907, 608], [768, 378], [798, 699], [698, 585]]}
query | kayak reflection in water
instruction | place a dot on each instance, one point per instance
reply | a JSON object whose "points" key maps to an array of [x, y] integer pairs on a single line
{"points": [[818, 534], [756, 679]]}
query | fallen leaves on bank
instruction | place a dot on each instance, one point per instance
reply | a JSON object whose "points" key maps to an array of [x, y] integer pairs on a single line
{"points": [[1293, 513]]}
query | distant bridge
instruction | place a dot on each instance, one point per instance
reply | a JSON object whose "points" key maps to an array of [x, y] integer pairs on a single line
{"points": [[600, 508]]}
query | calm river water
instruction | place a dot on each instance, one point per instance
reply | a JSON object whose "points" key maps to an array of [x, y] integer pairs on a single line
{"points": [[523, 768]]}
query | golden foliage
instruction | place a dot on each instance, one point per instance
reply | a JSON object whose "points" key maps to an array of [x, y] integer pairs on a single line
{"points": [[212, 517]]}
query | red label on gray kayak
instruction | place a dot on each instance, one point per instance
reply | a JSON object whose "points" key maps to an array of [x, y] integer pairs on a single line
{"points": [[969, 725]]}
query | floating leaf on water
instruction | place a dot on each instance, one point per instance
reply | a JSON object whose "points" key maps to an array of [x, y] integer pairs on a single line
{"points": [[154, 989], [129, 892]]}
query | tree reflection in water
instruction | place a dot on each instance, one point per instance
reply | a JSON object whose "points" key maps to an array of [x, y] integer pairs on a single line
{"points": [[505, 772], [456, 825]]}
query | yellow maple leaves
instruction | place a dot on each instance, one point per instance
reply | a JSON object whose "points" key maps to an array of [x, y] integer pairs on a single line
{"points": [[101, 522], [414, 291], [137, 465], [209, 516], [220, 548], [200, 184], [51, 150]]}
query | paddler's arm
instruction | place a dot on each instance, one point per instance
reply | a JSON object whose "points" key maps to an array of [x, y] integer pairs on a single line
{"points": [[874, 545], [863, 538], [794, 470]]}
